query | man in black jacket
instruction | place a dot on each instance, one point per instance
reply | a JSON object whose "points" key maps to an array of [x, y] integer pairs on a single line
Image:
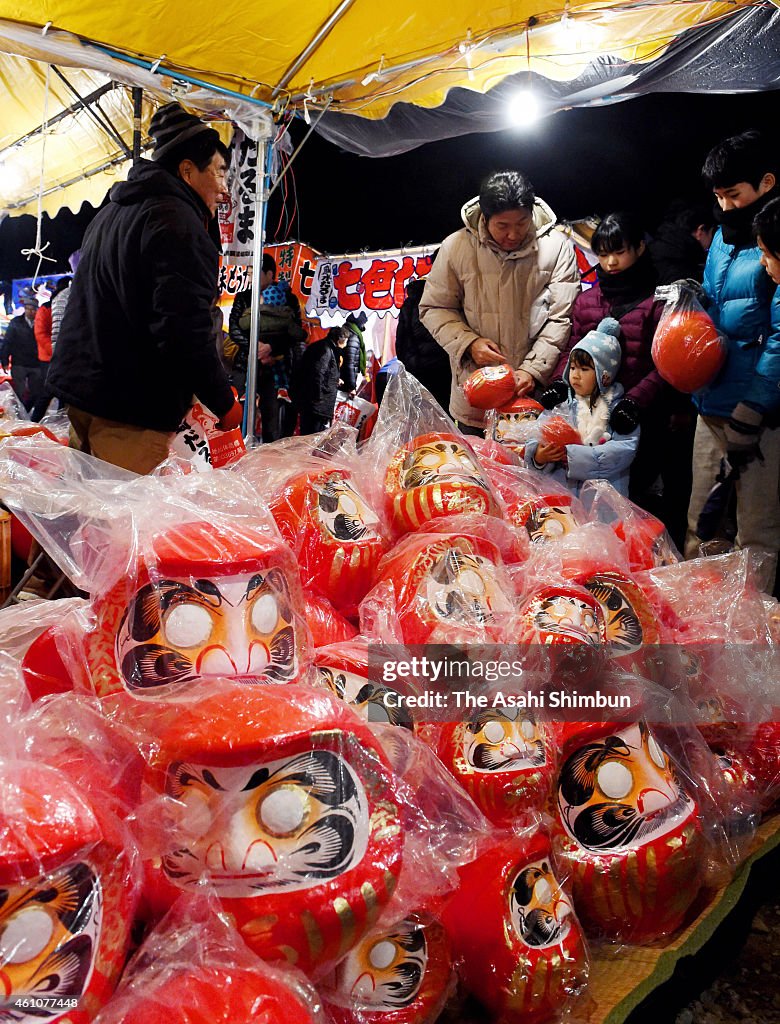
{"points": [[138, 340], [20, 346]]}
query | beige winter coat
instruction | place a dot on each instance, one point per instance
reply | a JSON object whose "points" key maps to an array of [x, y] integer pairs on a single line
{"points": [[520, 300]]}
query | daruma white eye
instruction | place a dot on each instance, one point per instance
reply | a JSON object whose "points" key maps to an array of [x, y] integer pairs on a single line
{"points": [[430, 461], [283, 811], [494, 732], [471, 582], [187, 625], [615, 780], [543, 891], [553, 528], [655, 752], [348, 505], [527, 729], [25, 936], [382, 955], [265, 613]]}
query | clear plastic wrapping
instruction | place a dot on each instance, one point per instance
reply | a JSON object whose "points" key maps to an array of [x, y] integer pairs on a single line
{"points": [[688, 351]]}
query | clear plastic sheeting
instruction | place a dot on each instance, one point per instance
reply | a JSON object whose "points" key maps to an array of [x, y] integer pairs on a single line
{"points": [[737, 53]]}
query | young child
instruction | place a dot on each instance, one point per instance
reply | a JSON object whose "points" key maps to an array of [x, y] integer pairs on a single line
{"points": [[590, 375], [766, 229], [738, 411]]}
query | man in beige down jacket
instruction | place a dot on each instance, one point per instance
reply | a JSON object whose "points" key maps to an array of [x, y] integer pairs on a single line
{"points": [[502, 290]]}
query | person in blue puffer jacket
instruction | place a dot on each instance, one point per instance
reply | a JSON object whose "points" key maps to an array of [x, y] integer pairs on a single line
{"points": [[593, 395], [738, 411]]}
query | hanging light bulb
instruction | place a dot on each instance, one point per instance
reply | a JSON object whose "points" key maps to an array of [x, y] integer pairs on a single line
{"points": [[524, 108]]}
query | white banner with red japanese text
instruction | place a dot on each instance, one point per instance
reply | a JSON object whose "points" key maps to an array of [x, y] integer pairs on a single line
{"points": [[370, 282], [237, 215]]}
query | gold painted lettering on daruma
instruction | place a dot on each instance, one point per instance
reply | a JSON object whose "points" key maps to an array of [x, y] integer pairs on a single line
{"points": [[435, 475]]}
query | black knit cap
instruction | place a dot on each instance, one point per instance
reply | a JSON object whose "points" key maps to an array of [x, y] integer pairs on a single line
{"points": [[171, 126]]}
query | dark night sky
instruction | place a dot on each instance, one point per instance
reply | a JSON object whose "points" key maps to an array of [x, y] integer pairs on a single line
{"points": [[637, 154]]}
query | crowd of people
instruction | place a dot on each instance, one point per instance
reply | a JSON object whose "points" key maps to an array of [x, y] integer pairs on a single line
{"points": [[133, 338]]}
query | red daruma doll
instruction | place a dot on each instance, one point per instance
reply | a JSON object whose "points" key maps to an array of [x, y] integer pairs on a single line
{"points": [[490, 387], [433, 476], [629, 833], [279, 798], [504, 758], [67, 899], [513, 928], [204, 600], [399, 973], [334, 533], [687, 349]]}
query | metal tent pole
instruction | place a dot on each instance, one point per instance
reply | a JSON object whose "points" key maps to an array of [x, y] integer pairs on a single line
{"points": [[138, 95], [264, 154]]}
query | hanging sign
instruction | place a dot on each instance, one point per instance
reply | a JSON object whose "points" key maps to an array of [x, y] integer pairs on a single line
{"points": [[371, 283], [237, 216]]}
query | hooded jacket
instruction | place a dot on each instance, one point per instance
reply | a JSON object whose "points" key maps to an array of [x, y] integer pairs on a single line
{"points": [[138, 341], [520, 300], [602, 456], [745, 307]]}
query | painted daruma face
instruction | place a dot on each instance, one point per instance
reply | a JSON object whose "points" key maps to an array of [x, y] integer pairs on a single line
{"points": [[398, 974], [178, 629], [622, 791], [539, 910], [334, 533], [366, 697], [556, 616], [545, 519], [435, 475], [286, 825], [462, 588], [506, 741], [282, 801], [503, 759], [49, 932]]}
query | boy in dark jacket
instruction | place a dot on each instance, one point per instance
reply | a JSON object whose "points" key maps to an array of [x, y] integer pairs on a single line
{"points": [[738, 410], [316, 381], [138, 339]]}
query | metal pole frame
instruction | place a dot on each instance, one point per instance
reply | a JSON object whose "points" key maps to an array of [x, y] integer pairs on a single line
{"points": [[138, 97], [264, 156]]}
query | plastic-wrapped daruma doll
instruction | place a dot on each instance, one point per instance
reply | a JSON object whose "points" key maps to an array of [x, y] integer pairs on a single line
{"points": [[546, 517], [67, 899], [562, 613], [343, 667], [286, 806], [203, 600], [435, 475], [513, 928], [503, 758], [630, 834], [513, 424], [448, 588], [334, 534], [397, 974]]}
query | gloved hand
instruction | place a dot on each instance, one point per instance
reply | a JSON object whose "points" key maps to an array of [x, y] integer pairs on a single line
{"points": [[743, 432], [555, 393], [625, 416], [232, 418]]}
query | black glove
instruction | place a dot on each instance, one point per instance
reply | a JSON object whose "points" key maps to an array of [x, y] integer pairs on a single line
{"points": [[743, 432], [625, 416], [554, 394]]}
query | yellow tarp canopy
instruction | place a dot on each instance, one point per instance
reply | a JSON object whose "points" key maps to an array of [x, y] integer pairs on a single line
{"points": [[74, 147], [355, 56], [278, 50]]}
